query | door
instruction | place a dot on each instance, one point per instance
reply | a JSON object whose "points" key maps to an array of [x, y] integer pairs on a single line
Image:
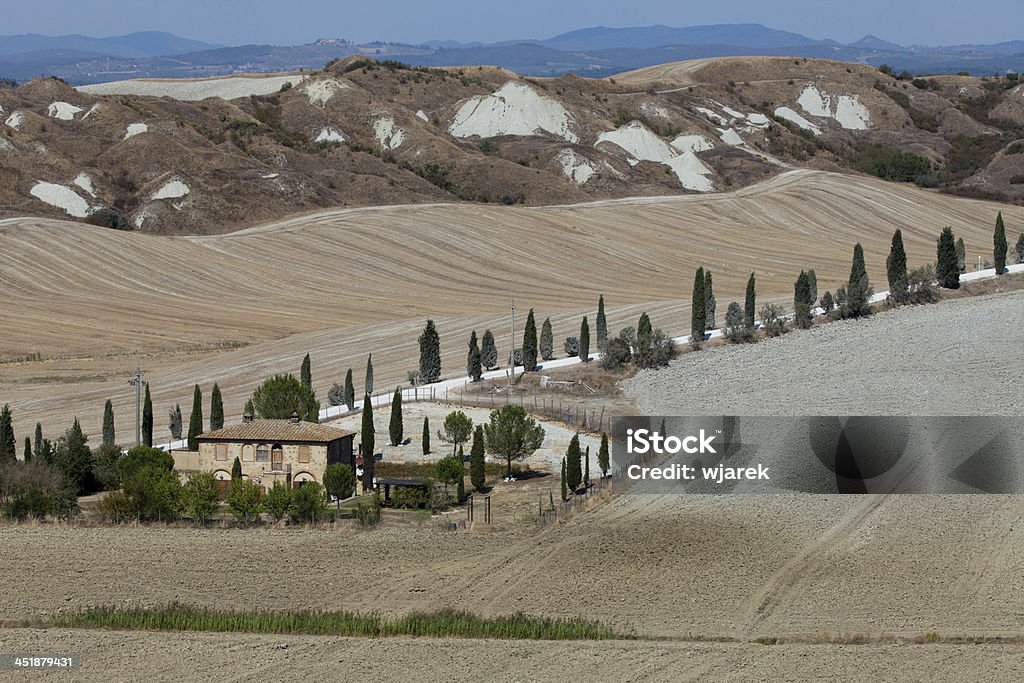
{"points": [[277, 459]]}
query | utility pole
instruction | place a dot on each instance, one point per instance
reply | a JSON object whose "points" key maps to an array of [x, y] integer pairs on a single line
{"points": [[137, 382], [512, 348]]}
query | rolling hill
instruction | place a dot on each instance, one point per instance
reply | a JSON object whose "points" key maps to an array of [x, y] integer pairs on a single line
{"points": [[212, 155], [84, 304]]}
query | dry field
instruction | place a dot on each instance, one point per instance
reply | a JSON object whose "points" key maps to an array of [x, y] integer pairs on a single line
{"points": [[212, 657], [692, 567], [237, 308]]}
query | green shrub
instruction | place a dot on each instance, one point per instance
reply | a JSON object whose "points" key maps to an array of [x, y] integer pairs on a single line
{"points": [[617, 353], [773, 320], [308, 503], [154, 493], [109, 218], [244, 500], [892, 164], [200, 496], [278, 501]]}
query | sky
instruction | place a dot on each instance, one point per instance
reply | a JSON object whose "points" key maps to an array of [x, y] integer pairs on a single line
{"points": [[291, 22]]}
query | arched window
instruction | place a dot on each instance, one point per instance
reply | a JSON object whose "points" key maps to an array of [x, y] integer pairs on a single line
{"points": [[262, 453], [248, 452]]}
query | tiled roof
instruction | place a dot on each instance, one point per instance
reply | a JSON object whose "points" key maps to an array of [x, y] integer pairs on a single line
{"points": [[277, 430]]}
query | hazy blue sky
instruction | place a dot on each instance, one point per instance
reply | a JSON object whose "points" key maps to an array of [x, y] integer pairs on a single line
{"points": [[299, 21]]}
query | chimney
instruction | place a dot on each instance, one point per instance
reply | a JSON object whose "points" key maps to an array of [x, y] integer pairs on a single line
{"points": [[247, 417], [295, 417]]}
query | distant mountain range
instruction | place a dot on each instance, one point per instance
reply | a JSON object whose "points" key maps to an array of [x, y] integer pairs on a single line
{"points": [[597, 51]]}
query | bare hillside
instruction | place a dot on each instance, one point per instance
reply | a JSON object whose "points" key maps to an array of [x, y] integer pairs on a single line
{"points": [[207, 156], [85, 304]]}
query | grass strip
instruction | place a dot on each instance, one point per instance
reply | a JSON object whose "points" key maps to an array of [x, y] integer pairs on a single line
{"points": [[440, 624]]}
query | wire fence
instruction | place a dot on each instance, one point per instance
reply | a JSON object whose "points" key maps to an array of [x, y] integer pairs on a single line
{"points": [[550, 509]]}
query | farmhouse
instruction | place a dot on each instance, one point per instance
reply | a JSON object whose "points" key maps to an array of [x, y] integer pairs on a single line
{"points": [[288, 451]]}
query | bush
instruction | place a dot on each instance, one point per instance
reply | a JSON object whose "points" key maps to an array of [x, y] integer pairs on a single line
{"points": [[278, 501], [105, 467], [116, 507], [154, 493], [892, 164], [368, 514], [572, 347], [655, 351], [616, 354], [109, 218], [773, 320], [244, 500], [143, 456], [736, 329], [339, 480], [922, 288], [308, 503], [200, 496]]}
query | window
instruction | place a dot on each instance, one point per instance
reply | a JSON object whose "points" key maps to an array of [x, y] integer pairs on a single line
{"points": [[248, 452], [262, 453], [303, 453], [277, 458], [222, 451]]}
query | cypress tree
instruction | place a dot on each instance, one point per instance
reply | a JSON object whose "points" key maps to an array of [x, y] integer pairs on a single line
{"points": [[946, 270], [367, 443], [586, 467], [147, 419], [74, 459], [547, 341], [367, 435], [698, 312], [109, 436], [27, 455], [584, 353], [174, 419], [750, 304], [236, 470], [530, 344], [561, 481], [306, 373], [1018, 249], [217, 408], [644, 336], [488, 351], [709, 302], [477, 470], [812, 286], [603, 459], [573, 471], [430, 354], [802, 302], [426, 436], [368, 381], [961, 255], [38, 445], [395, 428], [896, 269], [7, 444], [858, 289], [601, 325], [474, 366], [461, 490], [999, 245], [350, 391], [195, 420]]}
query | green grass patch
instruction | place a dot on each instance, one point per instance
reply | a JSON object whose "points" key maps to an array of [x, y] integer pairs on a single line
{"points": [[441, 624]]}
